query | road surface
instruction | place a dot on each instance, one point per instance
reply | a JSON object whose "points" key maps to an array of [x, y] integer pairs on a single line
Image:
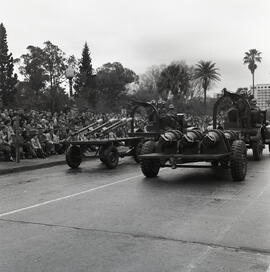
{"points": [[95, 219]]}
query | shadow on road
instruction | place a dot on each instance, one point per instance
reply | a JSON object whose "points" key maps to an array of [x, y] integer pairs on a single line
{"points": [[199, 179]]}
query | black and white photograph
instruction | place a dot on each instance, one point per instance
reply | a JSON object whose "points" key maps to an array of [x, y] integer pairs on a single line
{"points": [[135, 136]]}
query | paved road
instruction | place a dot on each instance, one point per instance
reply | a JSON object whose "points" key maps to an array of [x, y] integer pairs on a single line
{"points": [[95, 219]]}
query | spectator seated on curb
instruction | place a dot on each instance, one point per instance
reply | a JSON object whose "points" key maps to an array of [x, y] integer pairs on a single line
{"points": [[54, 142], [28, 150], [5, 147], [45, 144], [39, 153]]}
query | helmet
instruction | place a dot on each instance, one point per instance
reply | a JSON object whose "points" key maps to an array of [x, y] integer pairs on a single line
{"points": [[171, 106]]}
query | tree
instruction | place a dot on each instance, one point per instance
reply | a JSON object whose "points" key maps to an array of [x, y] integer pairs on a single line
{"points": [[112, 79], [55, 66], [33, 70], [8, 80], [251, 57], [85, 80], [148, 83], [175, 78], [206, 73]]}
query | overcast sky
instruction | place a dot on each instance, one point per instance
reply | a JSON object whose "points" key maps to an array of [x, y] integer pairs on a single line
{"points": [[142, 33]]}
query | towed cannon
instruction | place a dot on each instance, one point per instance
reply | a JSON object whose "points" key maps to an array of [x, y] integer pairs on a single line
{"points": [[114, 126], [102, 126], [107, 148], [174, 149], [90, 126]]}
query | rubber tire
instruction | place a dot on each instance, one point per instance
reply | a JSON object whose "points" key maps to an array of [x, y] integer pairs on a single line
{"points": [[239, 160], [73, 156], [111, 157], [257, 150], [137, 151], [149, 167]]}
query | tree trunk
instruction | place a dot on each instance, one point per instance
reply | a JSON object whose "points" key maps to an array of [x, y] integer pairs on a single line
{"points": [[253, 83], [204, 100]]}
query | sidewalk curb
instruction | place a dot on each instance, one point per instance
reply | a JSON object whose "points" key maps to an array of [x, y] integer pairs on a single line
{"points": [[17, 169]]}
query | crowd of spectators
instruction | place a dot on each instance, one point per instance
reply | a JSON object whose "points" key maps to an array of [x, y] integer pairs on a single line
{"points": [[40, 133]]}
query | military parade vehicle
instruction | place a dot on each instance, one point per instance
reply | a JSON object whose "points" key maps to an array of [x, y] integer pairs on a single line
{"points": [[109, 148], [243, 117], [99, 137], [237, 126], [146, 122], [176, 149]]}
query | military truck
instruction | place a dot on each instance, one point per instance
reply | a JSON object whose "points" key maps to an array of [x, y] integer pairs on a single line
{"points": [[244, 117]]}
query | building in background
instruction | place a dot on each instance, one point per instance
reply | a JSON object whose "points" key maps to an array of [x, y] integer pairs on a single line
{"points": [[262, 95]]}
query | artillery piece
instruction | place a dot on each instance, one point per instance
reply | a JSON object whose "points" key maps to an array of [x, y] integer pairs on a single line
{"points": [[176, 149], [99, 134], [245, 119]]}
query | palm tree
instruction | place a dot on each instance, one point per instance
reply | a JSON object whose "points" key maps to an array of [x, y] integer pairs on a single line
{"points": [[206, 73], [251, 57], [174, 78]]}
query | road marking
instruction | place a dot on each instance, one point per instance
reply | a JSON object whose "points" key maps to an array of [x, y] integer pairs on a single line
{"points": [[268, 269], [68, 196]]}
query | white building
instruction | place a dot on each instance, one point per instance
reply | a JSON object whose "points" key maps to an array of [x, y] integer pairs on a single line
{"points": [[262, 95]]}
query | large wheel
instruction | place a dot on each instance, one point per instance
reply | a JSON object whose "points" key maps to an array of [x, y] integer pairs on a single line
{"points": [[111, 157], [137, 151], [257, 149], [150, 167], [73, 156], [239, 160]]}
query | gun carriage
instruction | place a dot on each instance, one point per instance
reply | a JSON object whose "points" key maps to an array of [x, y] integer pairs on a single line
{"points": [[99, 135]]}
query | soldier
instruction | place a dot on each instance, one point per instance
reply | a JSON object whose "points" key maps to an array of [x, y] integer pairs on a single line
{"points": [[171, 110]]}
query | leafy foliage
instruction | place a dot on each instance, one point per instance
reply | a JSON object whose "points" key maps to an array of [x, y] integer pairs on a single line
{"points": [[251, 57], [8, 79], [85, 85], [175, 78], [148, 84], [33, 70], [112, 79], [207, 73], [44, 72]]}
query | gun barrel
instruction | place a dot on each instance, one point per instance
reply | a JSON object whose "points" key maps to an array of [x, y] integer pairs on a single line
{"points": [[116, 125], [87, 127], [101, 126]]}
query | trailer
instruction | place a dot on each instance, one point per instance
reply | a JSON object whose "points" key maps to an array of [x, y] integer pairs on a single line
{"points": [[175, 149], [107, 148]]}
